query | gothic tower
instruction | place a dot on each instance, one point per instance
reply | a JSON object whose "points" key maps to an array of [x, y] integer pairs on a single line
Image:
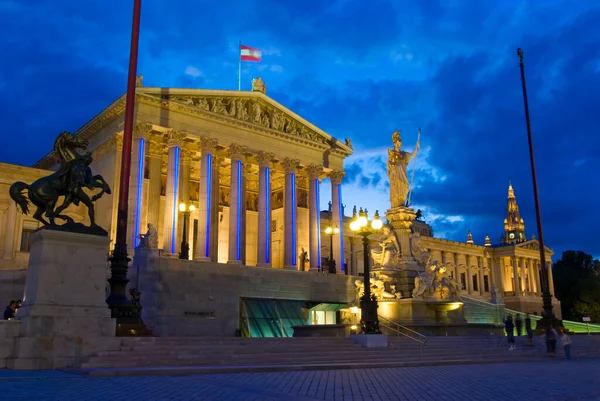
{"points": [[514, 227]]}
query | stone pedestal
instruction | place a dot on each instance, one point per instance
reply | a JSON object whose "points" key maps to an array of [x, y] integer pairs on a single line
{"points": [[64, 316], [404, 279], [401, 219]]}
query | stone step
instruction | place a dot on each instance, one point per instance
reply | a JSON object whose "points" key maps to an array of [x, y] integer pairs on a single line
{"points": [[297, 361]]}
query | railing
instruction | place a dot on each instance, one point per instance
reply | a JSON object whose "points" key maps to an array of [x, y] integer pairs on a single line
{"points": [[402, 330], [485, 304]]}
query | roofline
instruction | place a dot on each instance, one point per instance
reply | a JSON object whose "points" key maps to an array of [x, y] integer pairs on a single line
{"points": [[114, 109]]}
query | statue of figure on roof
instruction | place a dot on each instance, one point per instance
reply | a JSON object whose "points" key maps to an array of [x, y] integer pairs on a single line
{"points": [[258, 85]]}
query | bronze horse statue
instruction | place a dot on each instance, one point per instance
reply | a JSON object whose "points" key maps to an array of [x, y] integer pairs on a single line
{"points": [[73, 175]]}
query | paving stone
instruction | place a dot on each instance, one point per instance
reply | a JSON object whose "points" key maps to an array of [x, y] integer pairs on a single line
{"points": [[548, 380]]}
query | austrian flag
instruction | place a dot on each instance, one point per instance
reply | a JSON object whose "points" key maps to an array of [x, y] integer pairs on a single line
{"points": [[249, 53]]}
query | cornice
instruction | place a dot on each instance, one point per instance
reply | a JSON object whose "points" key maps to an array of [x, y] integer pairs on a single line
{"points": [[291, 127], [168, 98]]}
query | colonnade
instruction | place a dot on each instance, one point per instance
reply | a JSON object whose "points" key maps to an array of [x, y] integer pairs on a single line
{"points": [[178, 180]]}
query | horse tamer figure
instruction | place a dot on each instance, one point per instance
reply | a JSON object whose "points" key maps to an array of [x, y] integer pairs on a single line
{"points": [[73, 175]]}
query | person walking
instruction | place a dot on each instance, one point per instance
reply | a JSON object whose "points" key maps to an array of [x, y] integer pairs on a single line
{"points": [[551, 335], [566, 342], [509, 326], [528, 329], [519, 324]]}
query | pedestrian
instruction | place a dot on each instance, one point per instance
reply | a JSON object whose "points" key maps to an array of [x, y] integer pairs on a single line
{"points": [[528, 329], [519, 324], [566, 342], [551, 336], [510, 333], [9, 312]]}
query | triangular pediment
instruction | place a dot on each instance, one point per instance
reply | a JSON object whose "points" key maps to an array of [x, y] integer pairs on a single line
{"points": [[533, 245], [253, 109]]}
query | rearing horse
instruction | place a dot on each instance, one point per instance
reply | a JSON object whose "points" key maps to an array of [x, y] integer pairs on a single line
{"points": [[74, 174]]}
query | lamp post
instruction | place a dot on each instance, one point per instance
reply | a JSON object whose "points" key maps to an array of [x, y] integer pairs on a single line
{"points": [[548, 318], [127, 313], [369, 322], [331, 231], [185, 246]]}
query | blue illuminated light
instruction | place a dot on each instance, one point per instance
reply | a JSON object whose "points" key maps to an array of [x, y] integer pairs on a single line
{"points": [[140, 187], [267, 216], [341, 255], [318, 195], [208, 203], [294, 250], [175, 200], [238, 240]]}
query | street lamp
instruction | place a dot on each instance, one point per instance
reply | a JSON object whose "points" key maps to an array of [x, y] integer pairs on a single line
{"points": [[369, 322], [331, 231], [185, 247]]}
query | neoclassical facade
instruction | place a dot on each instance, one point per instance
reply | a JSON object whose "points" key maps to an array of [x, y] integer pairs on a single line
{"points": [[253, 169]]}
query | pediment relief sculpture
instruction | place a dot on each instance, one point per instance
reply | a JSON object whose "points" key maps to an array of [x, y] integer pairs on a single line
{"points": [[254, 111]]}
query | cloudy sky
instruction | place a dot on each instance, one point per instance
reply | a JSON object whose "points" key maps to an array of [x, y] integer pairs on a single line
{"points": [[356, 69]]}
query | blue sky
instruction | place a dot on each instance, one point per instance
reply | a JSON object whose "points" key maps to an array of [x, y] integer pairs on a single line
{"points": [[356, 69]]}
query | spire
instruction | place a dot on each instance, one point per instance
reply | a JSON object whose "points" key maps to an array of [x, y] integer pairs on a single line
{"points": [[469, 237], [514, 226]]}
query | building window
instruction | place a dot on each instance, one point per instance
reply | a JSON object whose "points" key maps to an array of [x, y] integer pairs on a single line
{"points": [[463, 281], [25, 234], [475, 283], [486, 283]]}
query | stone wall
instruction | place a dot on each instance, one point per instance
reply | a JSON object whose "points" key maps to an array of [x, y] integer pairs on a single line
{"points": [[189, 298], [9, 330]]}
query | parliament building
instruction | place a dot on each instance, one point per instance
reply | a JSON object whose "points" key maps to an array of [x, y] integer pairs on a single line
{"points": [[253, 170]]}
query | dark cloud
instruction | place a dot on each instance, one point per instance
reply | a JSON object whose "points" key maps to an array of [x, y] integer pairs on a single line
{"points": [[458, 78]]}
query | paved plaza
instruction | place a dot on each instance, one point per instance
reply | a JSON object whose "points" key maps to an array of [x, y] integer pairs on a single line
{"points": [[549, 380]]}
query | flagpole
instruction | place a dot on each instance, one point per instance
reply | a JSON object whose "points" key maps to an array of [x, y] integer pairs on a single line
{"points": [[548, 319], [240, 66], [412, 180]]}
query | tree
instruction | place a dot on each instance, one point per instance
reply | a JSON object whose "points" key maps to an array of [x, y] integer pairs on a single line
{"points": [[577, 285]]}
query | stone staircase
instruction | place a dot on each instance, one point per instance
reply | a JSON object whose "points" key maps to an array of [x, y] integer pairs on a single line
{"points": [[187, 355]]}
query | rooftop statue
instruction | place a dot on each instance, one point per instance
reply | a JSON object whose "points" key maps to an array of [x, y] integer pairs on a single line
{"points": [[72, 176], [396, 168], [259, 85]]}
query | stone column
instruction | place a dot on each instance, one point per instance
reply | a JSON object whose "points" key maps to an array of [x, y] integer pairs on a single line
{"points": [[550, 279], [480, 276], [314, 216], [536, 269], [174, 142], [337, 219], [353, 257], [8, 250], [290, 215], [244, 212], [205, 229], [516, 281], [469, 259], [215, 220], [136, 182], [264, 209], [236, 153], [184, 191], [154, 151], [454, 257], [499, 263], [522, 269]]}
